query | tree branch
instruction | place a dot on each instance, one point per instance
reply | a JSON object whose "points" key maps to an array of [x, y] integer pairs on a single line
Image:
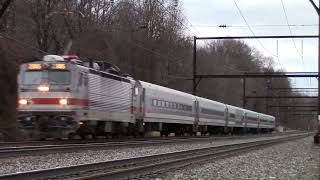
{"points": [[4, 7]]}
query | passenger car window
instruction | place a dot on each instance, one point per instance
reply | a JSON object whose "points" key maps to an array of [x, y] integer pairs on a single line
{"points": [[154, 102]]}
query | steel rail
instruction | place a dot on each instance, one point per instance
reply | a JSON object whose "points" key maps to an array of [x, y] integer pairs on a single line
{"points": [[64, 148], [47, 149], [8, 144], [146, 165], [115, 141], [79, 141]]}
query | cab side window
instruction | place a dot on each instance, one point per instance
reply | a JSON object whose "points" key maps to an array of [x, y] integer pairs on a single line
{"points": [[80, 80], [85, 79]]}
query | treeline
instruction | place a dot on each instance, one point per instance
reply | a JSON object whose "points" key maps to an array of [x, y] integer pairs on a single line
{"points": [[145, 38]]}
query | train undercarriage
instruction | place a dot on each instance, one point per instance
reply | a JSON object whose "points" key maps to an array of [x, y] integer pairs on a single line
{"points": [[50, 125], [41, 125]]}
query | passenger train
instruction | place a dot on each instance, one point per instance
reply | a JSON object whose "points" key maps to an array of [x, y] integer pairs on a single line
{"points": [[62, 96]]}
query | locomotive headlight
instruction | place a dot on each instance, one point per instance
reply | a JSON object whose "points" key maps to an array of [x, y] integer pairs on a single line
{"points": [[58, 66], [63, 101], [43, 88], [23, 102]]}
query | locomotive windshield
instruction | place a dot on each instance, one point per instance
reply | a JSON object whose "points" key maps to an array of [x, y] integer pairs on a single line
{"points": [[59, 77], [54, 77], [32, 77]]}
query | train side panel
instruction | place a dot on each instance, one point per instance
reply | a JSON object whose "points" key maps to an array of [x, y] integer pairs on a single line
{"points": [[251, 119], [110, 97], [166, 105], [236, 116], [271, 121], [211, 113], [263, 121]]}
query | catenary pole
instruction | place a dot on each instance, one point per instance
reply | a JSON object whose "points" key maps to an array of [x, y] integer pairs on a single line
{"points": [[194, 86], [318, 12], [318, 68]]}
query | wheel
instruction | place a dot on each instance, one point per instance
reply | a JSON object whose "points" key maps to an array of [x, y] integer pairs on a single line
{"points": [[93, 136], [71, 136], [83, 136]]}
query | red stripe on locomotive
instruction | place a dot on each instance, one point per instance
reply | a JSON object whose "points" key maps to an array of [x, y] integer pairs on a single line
{"points": [[56, 101]]}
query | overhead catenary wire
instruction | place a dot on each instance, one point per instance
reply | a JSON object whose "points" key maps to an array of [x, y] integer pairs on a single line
{"points": [[176, 18], [208, 45], [252, 32], [256, 25], [153, 52], [187, 27], [294, 43], [22, 44], [172, 59], [131, 42], [287, 21]]}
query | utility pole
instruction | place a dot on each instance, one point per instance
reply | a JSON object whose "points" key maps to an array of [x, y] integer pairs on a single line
{"points": [[244, 101], [317, 136], [194, 89], [268, 94]]}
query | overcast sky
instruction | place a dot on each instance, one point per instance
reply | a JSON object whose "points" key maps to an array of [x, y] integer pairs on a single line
{"points": [[205, 15]]}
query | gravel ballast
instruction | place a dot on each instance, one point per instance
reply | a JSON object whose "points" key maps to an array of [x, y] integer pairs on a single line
{"points": [[297, 159], [29, 163]]}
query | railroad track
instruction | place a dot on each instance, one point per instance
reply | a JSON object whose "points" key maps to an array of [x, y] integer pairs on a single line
{"points": [[62, 142], [68, 147], [146, 166]]}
